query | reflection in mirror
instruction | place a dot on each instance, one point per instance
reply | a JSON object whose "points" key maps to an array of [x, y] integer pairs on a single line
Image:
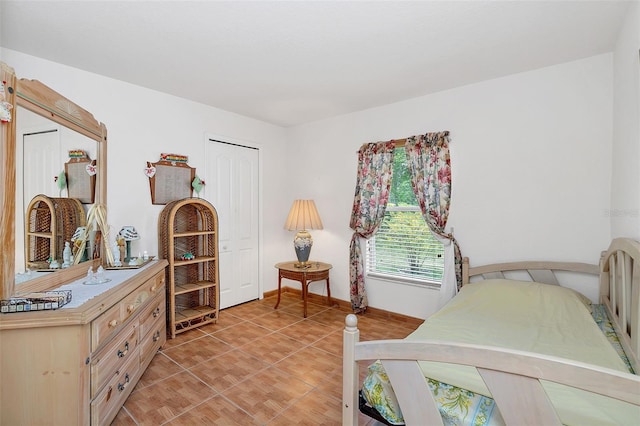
{"points": [[42, 149], [40, 99]]}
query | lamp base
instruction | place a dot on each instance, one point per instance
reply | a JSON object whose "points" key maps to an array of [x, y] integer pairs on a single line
{"points": [[302, 244]]}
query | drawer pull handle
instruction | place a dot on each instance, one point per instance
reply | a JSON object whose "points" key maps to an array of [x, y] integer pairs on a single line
{"points": [[156, 312], [154, 288], [131, 308], [122, 354], [121, 386], [156, 336], [113, 323]]}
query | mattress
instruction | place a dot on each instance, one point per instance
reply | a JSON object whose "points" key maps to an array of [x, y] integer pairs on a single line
{"points": [[519, 315]]}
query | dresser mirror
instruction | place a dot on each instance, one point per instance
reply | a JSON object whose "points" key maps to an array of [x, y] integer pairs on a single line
{"points": [[45, 126]]}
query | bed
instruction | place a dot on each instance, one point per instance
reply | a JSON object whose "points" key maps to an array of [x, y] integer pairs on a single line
{"points": [[508, 351]]}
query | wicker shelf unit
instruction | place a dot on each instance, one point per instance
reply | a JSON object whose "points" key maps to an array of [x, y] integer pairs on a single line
{"points": [[50, 222], [188, 239]]}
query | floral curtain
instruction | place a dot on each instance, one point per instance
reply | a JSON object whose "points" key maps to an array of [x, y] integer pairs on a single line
{"points": [[430, 165], [375, 164]]}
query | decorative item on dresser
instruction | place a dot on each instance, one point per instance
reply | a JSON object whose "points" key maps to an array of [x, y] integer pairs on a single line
{"points": [[128, 234], [188, 239]]}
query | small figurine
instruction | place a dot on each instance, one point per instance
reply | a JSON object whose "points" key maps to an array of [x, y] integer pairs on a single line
{"points": [[115, 250], [66, 255], [99, 276], [187, 256]]}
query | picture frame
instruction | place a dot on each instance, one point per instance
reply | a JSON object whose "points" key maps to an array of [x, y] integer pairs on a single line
{"points": [[170, 181], [81, 179]]}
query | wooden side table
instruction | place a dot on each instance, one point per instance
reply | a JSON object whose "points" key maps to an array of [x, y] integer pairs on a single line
{"points": [[317, 271]]}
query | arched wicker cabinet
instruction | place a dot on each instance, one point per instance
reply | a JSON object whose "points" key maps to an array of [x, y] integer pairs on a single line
{"points": [[49, 223], [188, 239]]}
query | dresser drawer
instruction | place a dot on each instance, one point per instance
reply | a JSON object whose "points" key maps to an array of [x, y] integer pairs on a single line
{"points": [[136, 300], [156, 337], [114, 394], [155, 309], [113, 356], [103, 327]]}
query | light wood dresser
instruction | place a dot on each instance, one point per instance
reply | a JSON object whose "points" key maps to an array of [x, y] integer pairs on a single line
{"points": [[77, 365]]}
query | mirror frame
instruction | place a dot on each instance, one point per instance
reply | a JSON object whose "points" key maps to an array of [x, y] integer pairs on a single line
{"points": [[42, 100]]}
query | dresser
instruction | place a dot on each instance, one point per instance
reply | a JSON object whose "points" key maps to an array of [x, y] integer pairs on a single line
{"points": [[77, 365]]}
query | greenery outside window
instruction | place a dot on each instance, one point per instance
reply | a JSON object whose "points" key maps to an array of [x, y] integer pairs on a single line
{"points": [[404, 249]]}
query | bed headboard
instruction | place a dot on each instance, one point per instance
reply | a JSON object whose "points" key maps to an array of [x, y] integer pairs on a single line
{"points": [[620, 293], [542, 272]]}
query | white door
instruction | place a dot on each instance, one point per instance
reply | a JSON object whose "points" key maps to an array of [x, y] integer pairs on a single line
{"points": [[231, 177]]}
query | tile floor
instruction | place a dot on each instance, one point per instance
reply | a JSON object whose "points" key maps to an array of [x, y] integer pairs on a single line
{"points": [[256, 366]]}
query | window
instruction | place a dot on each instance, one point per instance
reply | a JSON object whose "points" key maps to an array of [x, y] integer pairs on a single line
{"points": [[404, 249]]}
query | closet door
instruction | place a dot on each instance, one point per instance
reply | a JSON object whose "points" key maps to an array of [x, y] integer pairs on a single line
{"points": [[231, 176]]}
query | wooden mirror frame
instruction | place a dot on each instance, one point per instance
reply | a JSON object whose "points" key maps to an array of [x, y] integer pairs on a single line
{"points": [[42, 100]]}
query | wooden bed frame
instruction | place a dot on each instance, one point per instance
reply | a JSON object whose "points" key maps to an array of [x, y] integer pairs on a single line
{"points": [[513, 377]]}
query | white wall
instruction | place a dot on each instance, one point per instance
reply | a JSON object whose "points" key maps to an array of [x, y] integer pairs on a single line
{"points": [[143, 123], [625, 191], [531, 158]]}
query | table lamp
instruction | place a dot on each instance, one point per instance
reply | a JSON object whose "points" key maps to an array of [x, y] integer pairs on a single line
{"points": [[303, 216], [129, 233]]}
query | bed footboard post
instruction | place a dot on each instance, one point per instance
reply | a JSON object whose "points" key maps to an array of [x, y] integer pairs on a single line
{"points": [[351, 336]]}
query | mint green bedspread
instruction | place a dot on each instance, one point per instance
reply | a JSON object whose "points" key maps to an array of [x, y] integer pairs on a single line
{"points": [[551, 307]]}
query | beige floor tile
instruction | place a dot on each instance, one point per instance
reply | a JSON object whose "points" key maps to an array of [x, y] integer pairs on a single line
{"points": [[272, 348], [226, 319], [167, 399], [215, 411], [197, 351], [333, 317], [240, 334], [275, 320], [297, 309], [160, 368], [250, 310], [242, 372], [268, 393], [315, 408], [184, 337], [311, 365], [123, 419], [331, 385], [229, 369], [331, 343], [307, 332]]}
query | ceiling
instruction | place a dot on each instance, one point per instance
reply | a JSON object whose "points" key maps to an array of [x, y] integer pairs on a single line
{"points": [[289, 63]]}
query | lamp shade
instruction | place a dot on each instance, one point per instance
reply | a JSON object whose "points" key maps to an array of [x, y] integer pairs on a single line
{"points": [[129, 233], [79, 234], [303, 215]]}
